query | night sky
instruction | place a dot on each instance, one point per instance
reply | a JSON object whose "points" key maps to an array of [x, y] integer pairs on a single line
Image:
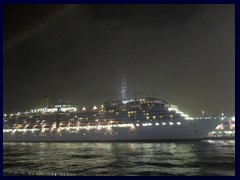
{"points": [[184, 54]]}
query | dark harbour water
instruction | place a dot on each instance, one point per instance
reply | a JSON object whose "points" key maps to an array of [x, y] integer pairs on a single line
{"points": [[211, 158]]}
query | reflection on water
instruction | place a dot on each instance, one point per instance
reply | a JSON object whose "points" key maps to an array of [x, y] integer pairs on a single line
{"points": [[181, 158]]}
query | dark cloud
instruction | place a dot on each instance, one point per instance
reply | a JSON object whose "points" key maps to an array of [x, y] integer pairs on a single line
{"points": [[24, 21], [142, 14]]}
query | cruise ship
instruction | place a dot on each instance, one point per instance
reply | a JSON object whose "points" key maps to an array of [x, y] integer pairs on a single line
{"points": [[140, 119]]}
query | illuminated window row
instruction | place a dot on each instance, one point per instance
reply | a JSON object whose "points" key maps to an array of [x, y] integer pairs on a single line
{"points": [[73, 129], [157, 124]]}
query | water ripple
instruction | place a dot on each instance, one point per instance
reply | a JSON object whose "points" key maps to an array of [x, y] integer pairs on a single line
{"points": [[110, 159]]}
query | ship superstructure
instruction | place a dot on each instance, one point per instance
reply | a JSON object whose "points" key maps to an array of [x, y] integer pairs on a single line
{"points": [[125, 120]]}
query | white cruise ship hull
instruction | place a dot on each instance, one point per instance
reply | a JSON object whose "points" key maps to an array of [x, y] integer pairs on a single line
{"points": [[187, 130]]}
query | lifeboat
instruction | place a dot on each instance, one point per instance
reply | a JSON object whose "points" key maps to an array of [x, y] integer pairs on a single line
{"points": [[20, 126], [104, 123], [64, 125], [29, 127], [72, 125], [94, 124], [37, 127], [84, 124], [48, 126]]}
